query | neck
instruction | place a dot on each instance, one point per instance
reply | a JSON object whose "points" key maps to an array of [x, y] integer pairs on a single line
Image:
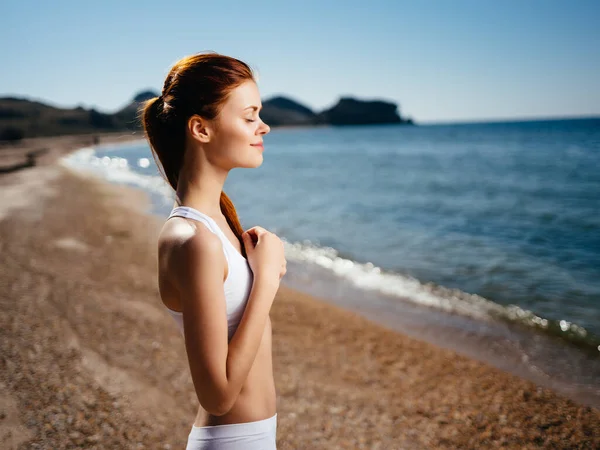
{"points": [[200, 185]]}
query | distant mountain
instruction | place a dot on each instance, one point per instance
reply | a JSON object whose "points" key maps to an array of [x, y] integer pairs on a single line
{"points": [[350, 111], [279, 111], [145, 95], [21, 117], [33, 118], [129, 115]]}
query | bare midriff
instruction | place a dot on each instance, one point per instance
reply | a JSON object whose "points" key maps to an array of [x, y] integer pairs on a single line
{"points": [[257, 399]]}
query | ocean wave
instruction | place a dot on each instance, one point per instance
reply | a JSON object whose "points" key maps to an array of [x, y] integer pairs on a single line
{"points": [[368, 277]]}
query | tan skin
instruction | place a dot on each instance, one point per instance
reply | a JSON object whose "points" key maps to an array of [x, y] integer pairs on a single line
{"points": [[233, 380]]}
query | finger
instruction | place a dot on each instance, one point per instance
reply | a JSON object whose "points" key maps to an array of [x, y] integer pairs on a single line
{"points": [[251, 234], [257, 230]]}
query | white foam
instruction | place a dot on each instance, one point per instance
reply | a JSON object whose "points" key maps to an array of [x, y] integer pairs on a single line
{"points": [[369, 277], [116, 169]]}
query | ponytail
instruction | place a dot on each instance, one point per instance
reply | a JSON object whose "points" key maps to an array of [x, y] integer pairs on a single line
{"points": [[166, 144]]}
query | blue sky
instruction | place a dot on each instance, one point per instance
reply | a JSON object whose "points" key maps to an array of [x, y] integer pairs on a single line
{"points": [[441, 61]]}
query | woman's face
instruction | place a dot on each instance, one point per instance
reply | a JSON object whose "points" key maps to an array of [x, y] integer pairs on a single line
{"points": [[238, 132]]}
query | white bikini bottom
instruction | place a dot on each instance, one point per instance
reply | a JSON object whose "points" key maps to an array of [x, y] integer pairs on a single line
{"points": [[258, 435]]}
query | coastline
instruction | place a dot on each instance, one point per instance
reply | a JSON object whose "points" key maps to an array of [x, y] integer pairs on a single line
{"points": [[92, 359]]}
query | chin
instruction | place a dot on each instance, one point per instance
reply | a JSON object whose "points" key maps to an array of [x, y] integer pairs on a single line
{"points": [[258, 161], [251, 163]]}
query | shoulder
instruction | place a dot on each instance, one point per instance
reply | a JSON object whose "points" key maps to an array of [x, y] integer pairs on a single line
{"points": [[182, 243]]}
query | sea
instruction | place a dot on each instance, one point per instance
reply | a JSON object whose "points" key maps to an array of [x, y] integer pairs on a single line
{"points": [[483, 238]]}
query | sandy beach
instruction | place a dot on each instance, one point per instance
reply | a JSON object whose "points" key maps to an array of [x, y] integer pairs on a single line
{"points": [[90, 358]]}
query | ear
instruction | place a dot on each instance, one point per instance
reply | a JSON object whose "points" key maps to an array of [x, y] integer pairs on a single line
{"points": [[199, 128]]}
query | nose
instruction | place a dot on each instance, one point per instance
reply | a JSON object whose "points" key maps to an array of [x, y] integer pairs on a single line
{"points": [[264, 129]]}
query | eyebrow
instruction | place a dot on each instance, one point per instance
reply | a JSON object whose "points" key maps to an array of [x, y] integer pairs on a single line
{"points": [[252, 106]]}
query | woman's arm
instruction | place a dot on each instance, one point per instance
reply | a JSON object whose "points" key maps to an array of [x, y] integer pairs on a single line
{"points": [[218, 368]]}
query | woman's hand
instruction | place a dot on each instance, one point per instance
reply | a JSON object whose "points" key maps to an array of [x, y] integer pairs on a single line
{"points": [[265, 253]]}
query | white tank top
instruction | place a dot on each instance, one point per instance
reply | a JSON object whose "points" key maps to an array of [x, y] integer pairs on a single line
{"points": [[239, 279]]}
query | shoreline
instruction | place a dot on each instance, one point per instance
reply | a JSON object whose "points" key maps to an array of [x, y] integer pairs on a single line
{"points": [[93, 360]]}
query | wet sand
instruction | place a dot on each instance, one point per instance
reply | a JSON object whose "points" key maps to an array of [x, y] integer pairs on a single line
{"points": [[90, 358]]}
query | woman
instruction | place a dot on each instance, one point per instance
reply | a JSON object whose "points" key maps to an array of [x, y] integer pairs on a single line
{"points": [[215, 279]]}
